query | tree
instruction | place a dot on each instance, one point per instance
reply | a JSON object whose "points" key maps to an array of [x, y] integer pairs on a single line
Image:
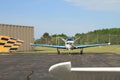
{"points": [[92, 37], [46, 38], [56, 39]]}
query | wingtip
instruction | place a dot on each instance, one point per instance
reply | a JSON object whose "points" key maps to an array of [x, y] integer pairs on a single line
{"points": [[60, 66]]}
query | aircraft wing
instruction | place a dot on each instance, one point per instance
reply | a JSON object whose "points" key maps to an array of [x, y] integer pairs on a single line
{"points": [[51, 46], [64, 71], [91, 45]]}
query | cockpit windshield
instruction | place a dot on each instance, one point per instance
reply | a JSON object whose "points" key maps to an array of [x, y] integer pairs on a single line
{"points": [[70, 39]]}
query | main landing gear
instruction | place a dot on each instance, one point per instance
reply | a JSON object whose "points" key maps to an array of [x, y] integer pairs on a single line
{"points": [[81, 51], [58, 51]]}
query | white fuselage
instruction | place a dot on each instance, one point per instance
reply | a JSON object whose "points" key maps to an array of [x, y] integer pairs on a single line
{"points": [[69, 45]]}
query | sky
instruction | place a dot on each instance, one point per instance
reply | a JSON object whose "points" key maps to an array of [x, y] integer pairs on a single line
{"points": [[61, 16]]}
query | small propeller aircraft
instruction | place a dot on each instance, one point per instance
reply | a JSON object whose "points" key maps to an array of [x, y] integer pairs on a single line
{"points": [[69, 45]]}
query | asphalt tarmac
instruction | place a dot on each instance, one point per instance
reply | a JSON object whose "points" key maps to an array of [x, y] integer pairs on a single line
{"points": [[35, 66]]}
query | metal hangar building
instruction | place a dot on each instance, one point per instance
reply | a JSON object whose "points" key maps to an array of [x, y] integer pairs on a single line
{"points": [[25, 33]]}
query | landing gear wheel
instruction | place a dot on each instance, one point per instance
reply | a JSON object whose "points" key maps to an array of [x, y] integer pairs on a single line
{"points": [[81, 52], [58, 51]]}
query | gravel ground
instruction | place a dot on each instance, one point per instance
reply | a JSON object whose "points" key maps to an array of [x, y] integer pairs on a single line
{"points": [[35, 66]]}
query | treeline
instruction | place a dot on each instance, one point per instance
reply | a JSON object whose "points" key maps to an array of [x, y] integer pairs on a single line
{"points": [[51, 39], [97, 36]]}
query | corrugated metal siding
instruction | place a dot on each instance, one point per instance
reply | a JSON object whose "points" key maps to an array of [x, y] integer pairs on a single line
{"points": [[25, 33]]}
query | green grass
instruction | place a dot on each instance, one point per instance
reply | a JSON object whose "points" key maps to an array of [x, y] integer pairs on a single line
{"points": [[103, 49], [111, 49]]}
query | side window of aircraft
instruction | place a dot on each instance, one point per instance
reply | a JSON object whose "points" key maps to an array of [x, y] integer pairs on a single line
{"points": [[2, 43], [4, 39], [10, 42]]}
